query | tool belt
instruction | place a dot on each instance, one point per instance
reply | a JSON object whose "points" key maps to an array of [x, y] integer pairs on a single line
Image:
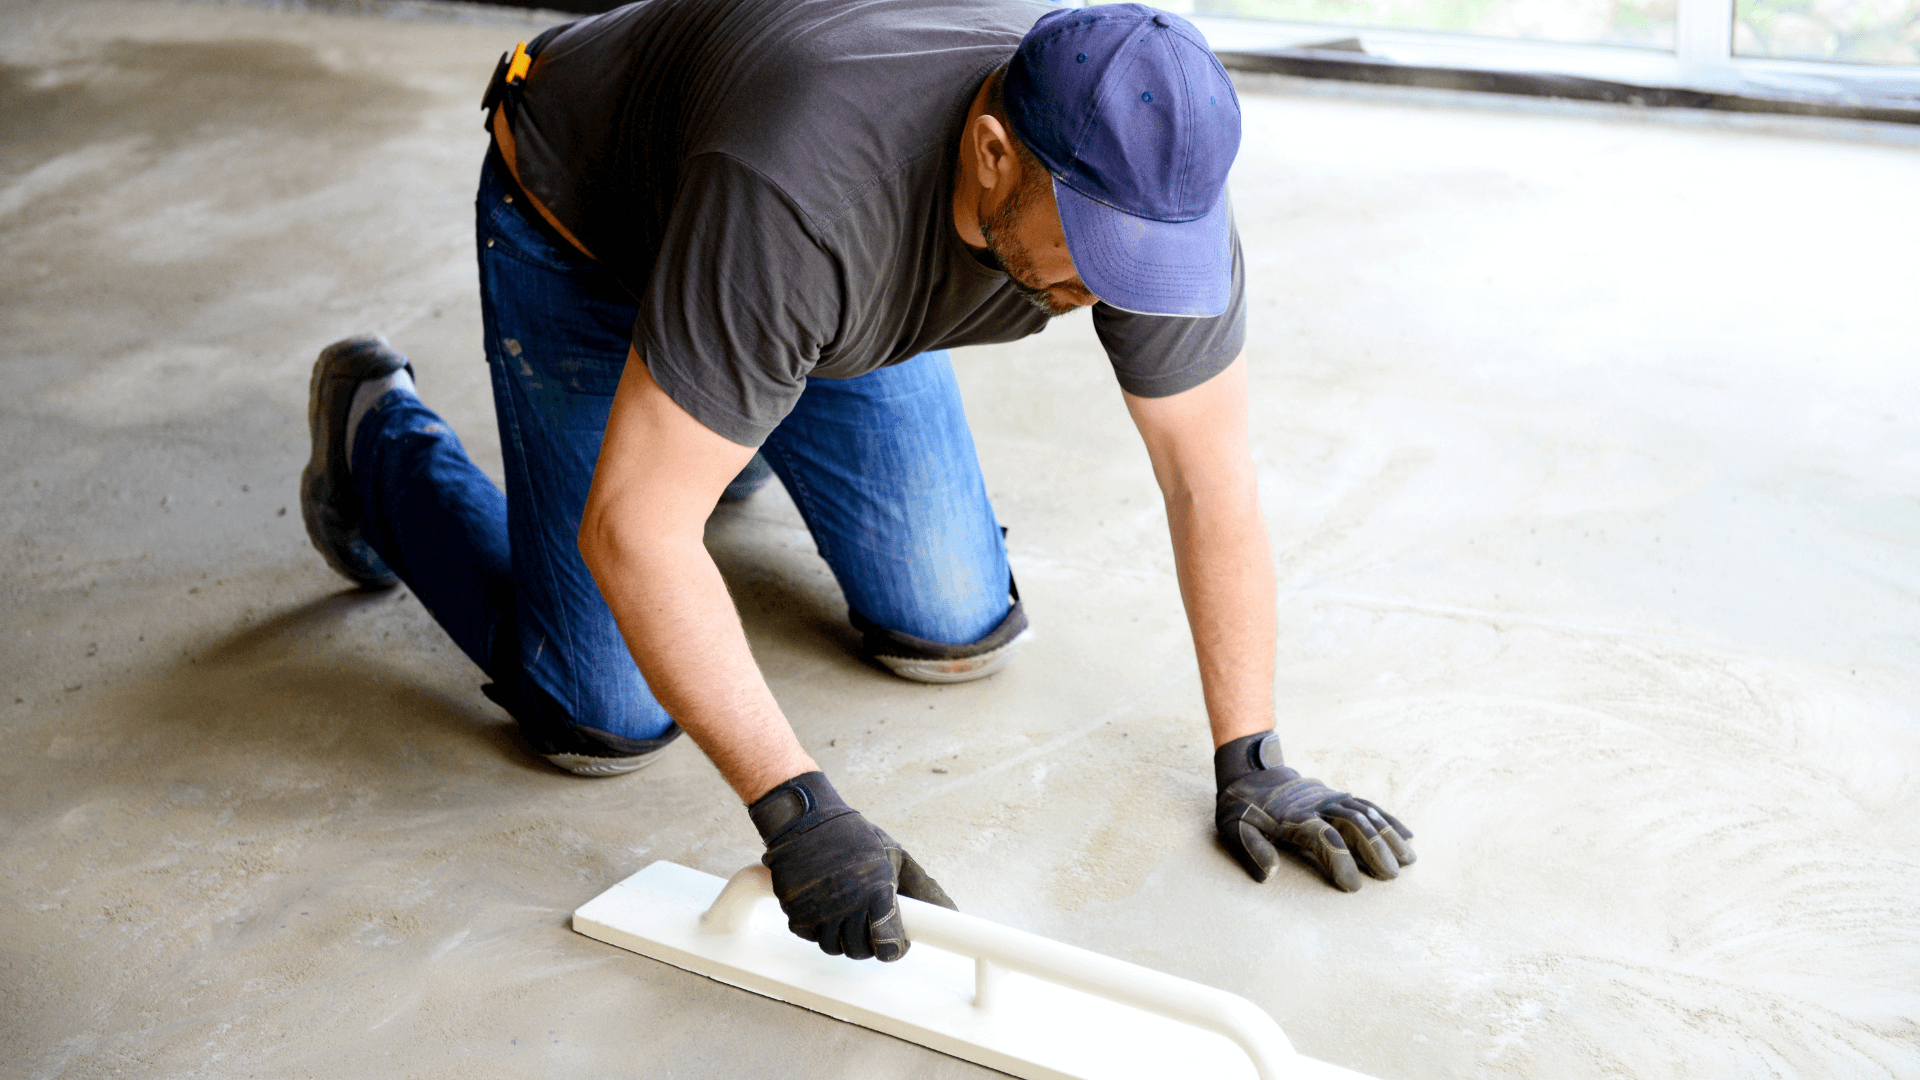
{"points": [[508, 77], [511, 72]]}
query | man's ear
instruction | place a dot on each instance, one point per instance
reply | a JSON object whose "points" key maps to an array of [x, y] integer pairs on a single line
{"points": [[996, 167]]}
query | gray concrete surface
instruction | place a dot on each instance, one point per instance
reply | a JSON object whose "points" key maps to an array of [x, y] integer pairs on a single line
{"points": [[1591, 451]]}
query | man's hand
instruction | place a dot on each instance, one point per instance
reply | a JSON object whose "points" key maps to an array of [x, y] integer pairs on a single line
{"points": [[835, 873], [1198, 441], [1262, 803]]}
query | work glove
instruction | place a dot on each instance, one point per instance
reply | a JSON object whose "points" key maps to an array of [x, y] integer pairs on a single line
{"points": [[835, 873], [1264, 806]]}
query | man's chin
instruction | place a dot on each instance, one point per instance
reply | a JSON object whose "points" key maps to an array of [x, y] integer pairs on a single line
{"points": [[1046, 302], [1013, 262], [1051, 301], [1069, 302]]}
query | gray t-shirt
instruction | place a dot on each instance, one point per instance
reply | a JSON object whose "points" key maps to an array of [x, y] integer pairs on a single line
{"points": [[773, 180]]}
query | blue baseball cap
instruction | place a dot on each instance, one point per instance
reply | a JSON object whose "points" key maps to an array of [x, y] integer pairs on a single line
{"points": [[1138, 123]]}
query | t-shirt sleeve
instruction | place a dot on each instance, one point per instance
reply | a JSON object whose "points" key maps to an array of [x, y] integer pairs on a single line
{"points": [[740, 303], [1162, 355]]}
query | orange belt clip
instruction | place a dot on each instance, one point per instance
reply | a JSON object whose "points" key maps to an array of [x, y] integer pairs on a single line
{"points": [[510, 72]]}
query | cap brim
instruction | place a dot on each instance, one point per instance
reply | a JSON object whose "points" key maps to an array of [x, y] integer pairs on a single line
{"points": [[1182, 268]]}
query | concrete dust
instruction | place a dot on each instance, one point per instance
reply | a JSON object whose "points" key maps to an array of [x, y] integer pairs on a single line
{"points": [[1590, 447]]}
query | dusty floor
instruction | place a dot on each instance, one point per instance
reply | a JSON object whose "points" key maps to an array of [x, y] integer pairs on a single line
{"points": [[1591, 450]]}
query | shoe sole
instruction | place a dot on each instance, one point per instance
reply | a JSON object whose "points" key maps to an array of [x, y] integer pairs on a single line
{"points": [[588, 765], [326, 487], [940, 672]]}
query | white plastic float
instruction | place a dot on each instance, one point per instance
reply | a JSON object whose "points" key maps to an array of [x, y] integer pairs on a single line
{"points": [[969, 987]]}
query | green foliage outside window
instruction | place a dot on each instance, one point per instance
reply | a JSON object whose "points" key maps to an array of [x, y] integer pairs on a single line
{"points": [[1861, 31]]}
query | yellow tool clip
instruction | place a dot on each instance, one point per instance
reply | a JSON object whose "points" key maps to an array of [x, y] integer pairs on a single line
{"points": [[517, 69]]}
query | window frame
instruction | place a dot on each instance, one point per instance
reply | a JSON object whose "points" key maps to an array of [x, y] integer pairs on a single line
{"points": [[1701, 59]]}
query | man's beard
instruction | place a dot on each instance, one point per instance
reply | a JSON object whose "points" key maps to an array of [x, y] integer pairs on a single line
{"points": [[1001, 230]]}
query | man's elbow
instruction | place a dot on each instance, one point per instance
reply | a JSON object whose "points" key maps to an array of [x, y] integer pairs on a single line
{"points": [[600, 538], [1228, 491], [615, 537]]}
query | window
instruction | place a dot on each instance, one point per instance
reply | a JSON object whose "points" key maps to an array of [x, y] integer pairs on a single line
{"points": [[1858, 58], [1648, 23], [1850, 31]]}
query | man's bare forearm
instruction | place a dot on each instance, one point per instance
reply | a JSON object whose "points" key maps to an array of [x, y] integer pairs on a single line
{"points": [[1203, 461], [641, 534], [680, 625], [1226, 580]]}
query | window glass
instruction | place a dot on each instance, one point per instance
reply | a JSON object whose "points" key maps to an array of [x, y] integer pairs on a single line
{"points": [[1862, 31], [1587, 22]]}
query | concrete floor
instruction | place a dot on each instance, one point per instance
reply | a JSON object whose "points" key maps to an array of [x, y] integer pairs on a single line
{"points": [[1591, 451]]}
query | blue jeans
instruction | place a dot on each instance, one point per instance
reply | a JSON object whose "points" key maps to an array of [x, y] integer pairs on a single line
{"points": [[882, 468]]}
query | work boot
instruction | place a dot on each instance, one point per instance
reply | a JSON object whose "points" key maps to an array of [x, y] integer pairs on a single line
{"points": [[582, 751], [592, 752], [932, 662], [328, 502]]}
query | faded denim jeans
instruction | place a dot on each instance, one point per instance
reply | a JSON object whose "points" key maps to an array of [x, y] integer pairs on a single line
{"points": [[882, 467]]}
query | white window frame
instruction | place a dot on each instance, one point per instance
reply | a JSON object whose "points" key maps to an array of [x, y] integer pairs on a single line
{"points": [[1702, 57]]}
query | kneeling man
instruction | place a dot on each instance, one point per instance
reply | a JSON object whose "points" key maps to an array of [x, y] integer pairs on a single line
{"points": [[722, 237]]}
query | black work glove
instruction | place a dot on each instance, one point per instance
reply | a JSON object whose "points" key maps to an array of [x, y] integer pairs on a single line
{"points": [[1262, 803], [835, 873]]}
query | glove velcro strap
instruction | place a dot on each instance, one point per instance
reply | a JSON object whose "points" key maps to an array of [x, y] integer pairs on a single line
{"points": [[1245, 755], [796, 806]]}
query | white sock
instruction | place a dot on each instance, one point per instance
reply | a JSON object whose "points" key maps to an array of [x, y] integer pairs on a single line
{"points": [[364, 397]]}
